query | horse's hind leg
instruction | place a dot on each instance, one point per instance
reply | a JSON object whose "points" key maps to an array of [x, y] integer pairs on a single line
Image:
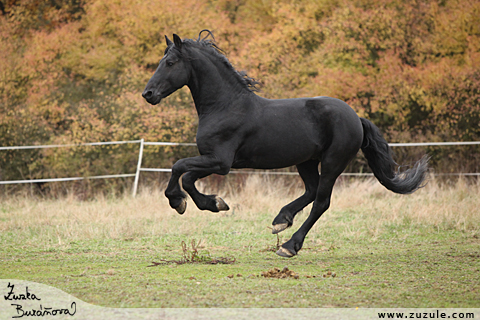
{"points": [[309, 173], [332, 166], [321, 204]]}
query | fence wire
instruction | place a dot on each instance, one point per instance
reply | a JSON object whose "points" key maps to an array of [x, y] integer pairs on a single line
{"points": [[143, 143]]}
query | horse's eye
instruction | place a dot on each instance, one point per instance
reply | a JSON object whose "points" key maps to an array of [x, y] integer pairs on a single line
{"points": [[169, 63]]}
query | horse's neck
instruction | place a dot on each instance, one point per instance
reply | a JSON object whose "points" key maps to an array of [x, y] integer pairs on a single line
{"points": [[214, 88]]}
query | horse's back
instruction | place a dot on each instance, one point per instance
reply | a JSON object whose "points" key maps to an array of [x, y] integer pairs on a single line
{"points": [[330, 117], [287, 132]]}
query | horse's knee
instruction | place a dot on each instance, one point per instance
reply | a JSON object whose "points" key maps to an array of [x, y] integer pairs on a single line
{"points": [[178, 169]]}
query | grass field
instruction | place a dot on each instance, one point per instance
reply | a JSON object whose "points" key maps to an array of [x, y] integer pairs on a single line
{"points": [[372, 248]]}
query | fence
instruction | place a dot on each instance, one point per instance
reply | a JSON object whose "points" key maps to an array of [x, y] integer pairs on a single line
{"points": [[143, 143]]}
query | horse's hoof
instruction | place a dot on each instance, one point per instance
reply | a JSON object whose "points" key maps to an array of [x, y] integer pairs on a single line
{"points": [[282, 252], [182, 207], [221, 205], [277, 228]]}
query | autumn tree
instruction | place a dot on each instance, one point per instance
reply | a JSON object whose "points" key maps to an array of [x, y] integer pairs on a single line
{"points": [[72, 71]]}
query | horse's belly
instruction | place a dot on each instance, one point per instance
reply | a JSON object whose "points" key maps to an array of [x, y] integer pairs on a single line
{"points": [[274, 156]]}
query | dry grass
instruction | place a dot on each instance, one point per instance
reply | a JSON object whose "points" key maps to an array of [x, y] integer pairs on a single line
{"points": [[451, 205], [386, 250], [358, 207]]}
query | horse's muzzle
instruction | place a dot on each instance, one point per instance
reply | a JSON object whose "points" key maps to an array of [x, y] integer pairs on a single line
{"points": [[151, 97]]}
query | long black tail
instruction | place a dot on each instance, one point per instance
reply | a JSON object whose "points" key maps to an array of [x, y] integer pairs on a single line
{"points": [[379, 157]]}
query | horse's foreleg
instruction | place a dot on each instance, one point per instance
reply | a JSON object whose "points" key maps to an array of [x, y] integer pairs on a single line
{"points": [[203, 202], [176, 197], [195, 168], [309, 173]]}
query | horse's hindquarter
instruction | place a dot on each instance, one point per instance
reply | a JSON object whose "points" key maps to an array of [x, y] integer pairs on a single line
{"points": [[287, 132]]}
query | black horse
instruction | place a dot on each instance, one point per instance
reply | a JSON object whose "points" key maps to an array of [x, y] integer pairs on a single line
{"points": [[239, 129]]}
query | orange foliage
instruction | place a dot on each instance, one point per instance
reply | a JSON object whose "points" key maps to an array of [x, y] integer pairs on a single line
{"points": [[72, 71]]}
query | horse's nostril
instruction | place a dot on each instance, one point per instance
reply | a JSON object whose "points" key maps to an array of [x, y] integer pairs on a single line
{"points": [[147, 94]]}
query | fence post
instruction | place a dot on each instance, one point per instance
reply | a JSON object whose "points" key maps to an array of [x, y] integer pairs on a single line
{"points": [[139, 166]]}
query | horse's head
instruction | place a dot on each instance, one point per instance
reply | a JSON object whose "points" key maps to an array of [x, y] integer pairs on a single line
{"points": [[172, 73]]}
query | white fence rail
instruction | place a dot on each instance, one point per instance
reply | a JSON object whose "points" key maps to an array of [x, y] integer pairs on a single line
{"points": [[143, 144]]}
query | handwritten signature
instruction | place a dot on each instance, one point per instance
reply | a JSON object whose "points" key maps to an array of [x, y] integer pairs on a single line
{"points": [[41, 311]]}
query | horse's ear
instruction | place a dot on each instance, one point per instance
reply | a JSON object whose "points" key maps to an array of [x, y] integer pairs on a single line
{"points": [[178, 41], [169, 42]]}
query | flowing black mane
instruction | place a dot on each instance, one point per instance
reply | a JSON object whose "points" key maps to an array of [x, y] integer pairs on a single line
{"points": [[211, 47]]}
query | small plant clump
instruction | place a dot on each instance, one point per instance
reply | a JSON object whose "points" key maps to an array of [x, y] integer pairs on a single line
{"points": [[273, 248], [193, 256]]}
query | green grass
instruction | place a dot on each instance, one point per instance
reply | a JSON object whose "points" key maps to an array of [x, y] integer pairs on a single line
{"points": [[384, 252]]}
